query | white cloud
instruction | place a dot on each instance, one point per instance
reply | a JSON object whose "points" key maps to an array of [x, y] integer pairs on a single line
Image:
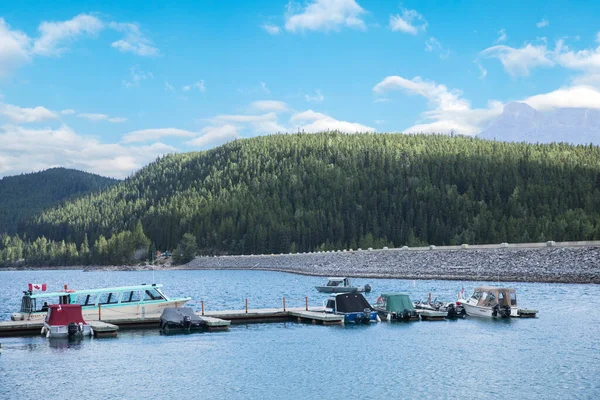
{"points": [[502, 36], [213, 135], [264, 88], [134, 41], [409, 22], [381, 100], [569, 97], [543, 23], [482, 70], [53, 34], [317, 98], [310, 121], [168, 87], [269, 105], [14, 48], [325, 15], [520, 61], [197, 85], [101, 117], [68, 112], [26, 115], [432, 44], [136, 76], [26, 150], [379, 121], [450, 111], [271, 29], [146, 135]]}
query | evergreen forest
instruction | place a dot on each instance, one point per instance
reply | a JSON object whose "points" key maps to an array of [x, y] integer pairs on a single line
{"points": [[305, 192]]}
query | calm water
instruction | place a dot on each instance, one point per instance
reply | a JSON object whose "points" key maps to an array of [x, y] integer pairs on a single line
{"points": [[554, 356]]}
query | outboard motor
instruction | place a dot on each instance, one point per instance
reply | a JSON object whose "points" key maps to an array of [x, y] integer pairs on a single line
{"points": [[73, 329], [367, 288], [406, 315], [505, 312], [495, 310], [366, 315], [452, 314], [187, 322]]}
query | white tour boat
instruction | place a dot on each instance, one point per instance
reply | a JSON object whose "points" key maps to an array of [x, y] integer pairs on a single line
{"points": [[107, 304]]}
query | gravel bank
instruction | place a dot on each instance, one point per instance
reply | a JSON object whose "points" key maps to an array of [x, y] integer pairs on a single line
{"points": [[565, 265]]}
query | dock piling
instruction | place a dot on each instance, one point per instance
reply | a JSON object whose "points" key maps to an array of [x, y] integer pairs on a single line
{"points": [[202, 307], [246, 306], [99, 312], [284, 304], [306, 303]]}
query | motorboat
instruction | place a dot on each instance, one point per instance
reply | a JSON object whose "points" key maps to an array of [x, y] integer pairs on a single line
{"points": [[353, 306], [342, 285], [494, 302], [396, 307], [65, 321], [181, 319], [434, 309], [107, 304]]}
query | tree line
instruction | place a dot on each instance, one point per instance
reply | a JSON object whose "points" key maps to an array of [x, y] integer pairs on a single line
{"points": [[326, 191]]}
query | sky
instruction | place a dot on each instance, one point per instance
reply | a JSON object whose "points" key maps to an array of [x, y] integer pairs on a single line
{"points": [[108, 86]]}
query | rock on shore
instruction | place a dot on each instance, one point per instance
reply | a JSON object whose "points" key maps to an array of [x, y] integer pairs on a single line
{"points": [[552, 264]]}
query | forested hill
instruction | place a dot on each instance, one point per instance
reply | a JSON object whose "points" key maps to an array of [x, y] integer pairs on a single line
{"points": [[302, 192], [22, 196]]}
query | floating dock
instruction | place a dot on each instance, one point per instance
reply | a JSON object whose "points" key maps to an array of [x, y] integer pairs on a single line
{"points": [[214, 320]]}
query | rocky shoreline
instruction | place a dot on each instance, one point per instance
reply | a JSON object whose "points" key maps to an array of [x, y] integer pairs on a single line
{"points": [[550, 264]]}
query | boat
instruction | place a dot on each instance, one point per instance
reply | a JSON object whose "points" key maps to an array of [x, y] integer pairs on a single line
{"points": [[181, 319], [65, 321], [342, 285], [353, 306], [450, 310], [108, 304], [492, 302], [396, 307]]}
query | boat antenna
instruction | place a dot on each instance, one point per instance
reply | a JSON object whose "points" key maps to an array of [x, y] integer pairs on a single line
{"points": [[153, 281]]}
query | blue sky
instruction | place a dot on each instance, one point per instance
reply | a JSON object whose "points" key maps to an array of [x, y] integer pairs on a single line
{"points": [[107, 86]]}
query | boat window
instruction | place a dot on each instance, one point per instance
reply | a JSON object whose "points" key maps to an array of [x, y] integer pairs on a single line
{"points": [[131, 296], [513, 299], [333, 283], [109, 298], [86, 299], [477, 295], [152, 294], [501, 298], [330, 304]]}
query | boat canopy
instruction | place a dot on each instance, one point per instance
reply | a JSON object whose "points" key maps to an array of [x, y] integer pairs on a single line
{"points": [[337, 281], [396, 302], [351, 302], [63, 314], [489, 296]]}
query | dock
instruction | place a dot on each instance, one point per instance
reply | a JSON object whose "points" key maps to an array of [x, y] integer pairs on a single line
{"points": [[214, 320]]}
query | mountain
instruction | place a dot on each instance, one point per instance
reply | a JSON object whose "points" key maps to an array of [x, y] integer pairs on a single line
{"points": [[25, 195], [306, 192], [521, 123]]}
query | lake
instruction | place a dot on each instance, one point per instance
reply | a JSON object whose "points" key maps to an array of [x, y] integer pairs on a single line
{"points": [[556, 355]]}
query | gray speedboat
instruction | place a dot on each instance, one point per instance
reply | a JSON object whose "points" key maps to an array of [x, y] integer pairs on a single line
{"points": [[342, 285]]}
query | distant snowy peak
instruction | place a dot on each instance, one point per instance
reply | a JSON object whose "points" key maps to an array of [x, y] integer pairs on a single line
{"points": [[521, 123]]}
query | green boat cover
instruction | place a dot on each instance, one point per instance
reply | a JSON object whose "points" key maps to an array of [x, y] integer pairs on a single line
{"points": [[397, 302]]}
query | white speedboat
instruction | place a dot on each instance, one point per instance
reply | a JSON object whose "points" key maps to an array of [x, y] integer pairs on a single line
{"points": [[491, 302], [342, 285]]}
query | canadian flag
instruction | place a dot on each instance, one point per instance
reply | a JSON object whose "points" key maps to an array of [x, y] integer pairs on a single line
{"points": [[37, 286]]}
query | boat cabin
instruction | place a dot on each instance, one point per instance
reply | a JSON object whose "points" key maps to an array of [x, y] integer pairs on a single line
{"points": [[31, 303], [345, 282], [343, 303], [489, 296], [395, 302]]}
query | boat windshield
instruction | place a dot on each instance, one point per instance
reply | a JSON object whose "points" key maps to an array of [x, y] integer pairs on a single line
{"points": [[152, 294], [334, 283]]}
